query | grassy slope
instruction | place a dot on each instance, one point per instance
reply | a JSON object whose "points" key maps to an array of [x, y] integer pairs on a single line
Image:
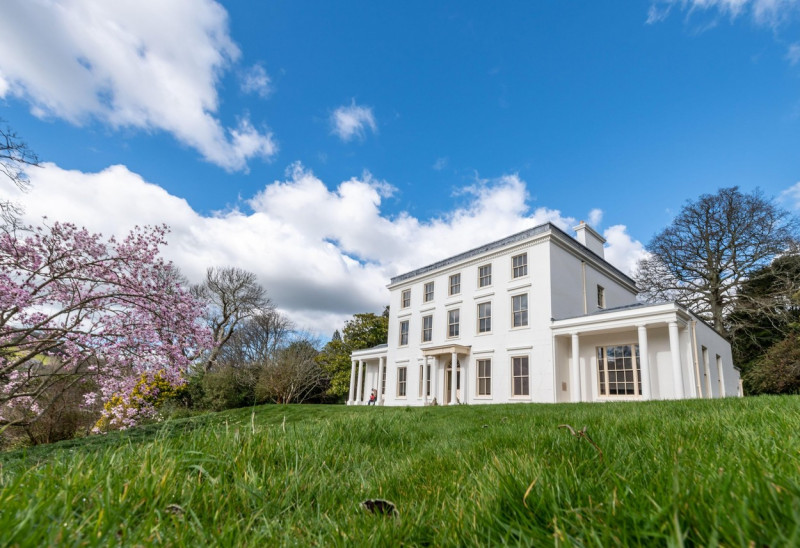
{"points": [[698, 472]]}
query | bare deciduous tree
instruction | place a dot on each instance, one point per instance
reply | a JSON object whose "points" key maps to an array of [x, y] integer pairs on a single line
{"points": [[258, 339], [15, 156], [294, 376], [233, 295], [711, 248]]}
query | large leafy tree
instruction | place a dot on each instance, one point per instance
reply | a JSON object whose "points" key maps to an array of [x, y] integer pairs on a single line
{"points": [[767, 309], [711, 248], [363, 331], [77, 308]]}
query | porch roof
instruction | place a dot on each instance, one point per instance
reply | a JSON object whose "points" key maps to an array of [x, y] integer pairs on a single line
{"points": [[374, 352], [446, 349], [624, 317]]}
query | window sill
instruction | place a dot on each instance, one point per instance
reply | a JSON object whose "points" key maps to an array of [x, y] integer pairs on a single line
{"points": [[519, 328], [484, 334]]}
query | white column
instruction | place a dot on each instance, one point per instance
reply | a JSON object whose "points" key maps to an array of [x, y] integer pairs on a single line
{"points": [[381, 371], [689, 370], [351, 394], [359, 382], [435, 381], [575, 371], [644, 362], [453, 362], [464, 378], [425, 380], [675, 353]]}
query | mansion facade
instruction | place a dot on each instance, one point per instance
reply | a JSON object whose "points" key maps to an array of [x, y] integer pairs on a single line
{"points": [[538, 316]]}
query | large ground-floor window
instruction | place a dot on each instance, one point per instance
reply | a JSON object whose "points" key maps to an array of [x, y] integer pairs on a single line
{"points": [[401, 382], [484, 377], [520, 376], [618, 370]]}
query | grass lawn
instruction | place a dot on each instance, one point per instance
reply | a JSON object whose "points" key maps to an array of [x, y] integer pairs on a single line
{"points": [[663, 473]]}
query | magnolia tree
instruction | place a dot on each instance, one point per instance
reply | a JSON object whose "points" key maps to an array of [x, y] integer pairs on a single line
{"points": [[77, 309]]}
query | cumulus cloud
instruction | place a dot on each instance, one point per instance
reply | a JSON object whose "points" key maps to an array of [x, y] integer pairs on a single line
{"points": [[621, 250], [595, 217], [764, 12], [129, 63], [348, 122], [256, 80], [322, 252]]}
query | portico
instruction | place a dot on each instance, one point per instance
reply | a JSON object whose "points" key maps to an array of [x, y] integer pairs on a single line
{"points": [[367, 372], [446, 359]]}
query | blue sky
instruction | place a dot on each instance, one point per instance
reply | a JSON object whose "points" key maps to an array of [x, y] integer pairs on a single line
{"points": [[327, 147]]}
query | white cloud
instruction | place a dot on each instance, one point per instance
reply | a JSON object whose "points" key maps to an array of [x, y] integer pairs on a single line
{"points": [[352, 121], [322, 253], [793, 53], [595, 217], [621, 250], [256, 80], [764, 12], [440, 163], [129, 63], [791, 196]]}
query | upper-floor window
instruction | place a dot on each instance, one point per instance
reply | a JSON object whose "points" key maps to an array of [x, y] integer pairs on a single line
{"points": [[519, 307], [427, 328], [405, 298], [404, 333], [484, 377], [520, 376], [452, 322], [485, 275], [519, 265], [601, 297], [455, 284], [428, 292], [484, 317]]}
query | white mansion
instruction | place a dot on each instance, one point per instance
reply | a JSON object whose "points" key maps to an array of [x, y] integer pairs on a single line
{"points": [[537, 317]]}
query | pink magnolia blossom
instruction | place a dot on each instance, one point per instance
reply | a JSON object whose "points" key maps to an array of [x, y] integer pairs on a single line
{"points": [[75, 307]]}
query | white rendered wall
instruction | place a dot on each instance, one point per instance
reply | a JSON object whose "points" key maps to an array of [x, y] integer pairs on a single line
{"points": [[504, 340], [568, 287]]}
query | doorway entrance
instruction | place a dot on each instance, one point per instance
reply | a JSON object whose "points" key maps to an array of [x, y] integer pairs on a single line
{"points": [[448, 383]]}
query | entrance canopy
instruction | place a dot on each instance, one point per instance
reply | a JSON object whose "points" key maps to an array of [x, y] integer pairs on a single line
{"points": [[446, 350]]}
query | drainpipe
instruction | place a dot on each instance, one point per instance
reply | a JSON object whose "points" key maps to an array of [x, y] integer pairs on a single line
{"points": [[583, 271]]}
